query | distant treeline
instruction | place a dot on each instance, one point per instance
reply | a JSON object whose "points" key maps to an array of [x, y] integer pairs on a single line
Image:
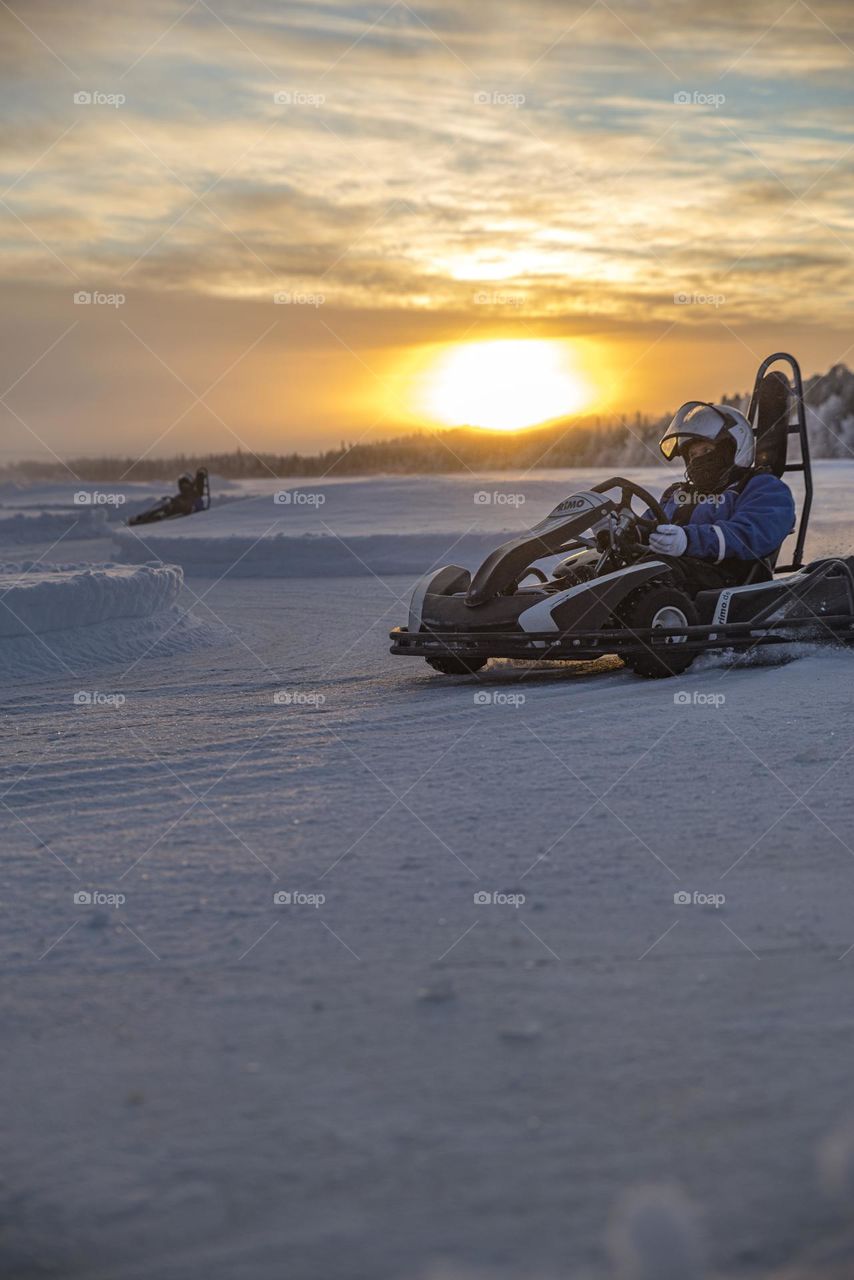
{"points": [[565, 444], [587, 442]]}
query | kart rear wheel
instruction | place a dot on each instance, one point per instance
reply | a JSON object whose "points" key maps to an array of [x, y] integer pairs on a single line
{"points": [[661, 606], [450, 665]]}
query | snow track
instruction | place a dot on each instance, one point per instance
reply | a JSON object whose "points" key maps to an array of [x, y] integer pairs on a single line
{"points": [[447, 1079], [203, 1082]]}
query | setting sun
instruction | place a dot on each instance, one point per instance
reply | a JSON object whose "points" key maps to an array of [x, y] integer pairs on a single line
{"points": [[505, 385]]}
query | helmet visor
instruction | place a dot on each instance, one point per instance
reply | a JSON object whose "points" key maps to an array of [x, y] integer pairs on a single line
{"points": [[696, 420]]}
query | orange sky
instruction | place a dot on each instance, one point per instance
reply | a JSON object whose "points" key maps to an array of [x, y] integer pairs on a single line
{"points": [[284, 215]]}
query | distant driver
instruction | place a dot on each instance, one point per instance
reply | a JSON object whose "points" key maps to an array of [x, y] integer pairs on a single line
{"points": [[190, 495]]}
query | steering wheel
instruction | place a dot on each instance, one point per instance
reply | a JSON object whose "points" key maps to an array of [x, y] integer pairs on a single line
{"points": [[627, 547], [628, 491], [624, 545]]}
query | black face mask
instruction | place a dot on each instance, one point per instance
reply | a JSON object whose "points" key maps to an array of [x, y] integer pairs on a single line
{"points": [[711, 471]]}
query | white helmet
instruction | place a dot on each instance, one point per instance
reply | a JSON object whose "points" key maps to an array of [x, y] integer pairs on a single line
{"points": [[698, 420]]}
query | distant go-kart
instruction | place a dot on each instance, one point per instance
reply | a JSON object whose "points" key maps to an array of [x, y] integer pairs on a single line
{"points": [[622, 601], [168, 508]]}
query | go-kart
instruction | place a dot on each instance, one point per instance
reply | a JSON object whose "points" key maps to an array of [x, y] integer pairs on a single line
{"points": [[169, 508], [609, 595]]}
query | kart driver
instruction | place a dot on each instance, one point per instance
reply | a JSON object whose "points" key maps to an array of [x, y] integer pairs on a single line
{"points": [[190, 495], [726, 514]]}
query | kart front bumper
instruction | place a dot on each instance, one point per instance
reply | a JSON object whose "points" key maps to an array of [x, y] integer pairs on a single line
{"points": [[587, 645]]}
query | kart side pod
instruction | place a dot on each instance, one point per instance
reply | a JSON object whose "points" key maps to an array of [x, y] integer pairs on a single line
{"points": [[438, 582], [587, 603]]}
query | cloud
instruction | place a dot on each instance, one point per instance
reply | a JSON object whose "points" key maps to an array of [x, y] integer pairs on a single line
{"points": [[593, 161]]}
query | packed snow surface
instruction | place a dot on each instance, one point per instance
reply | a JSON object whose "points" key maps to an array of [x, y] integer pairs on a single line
{"points": [[319, 964]]}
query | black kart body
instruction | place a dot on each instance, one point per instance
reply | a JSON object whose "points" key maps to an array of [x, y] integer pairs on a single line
{"points": [[611, 595]]}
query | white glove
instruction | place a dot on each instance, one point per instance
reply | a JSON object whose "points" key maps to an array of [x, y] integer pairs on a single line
{"points": [[668, 540]]}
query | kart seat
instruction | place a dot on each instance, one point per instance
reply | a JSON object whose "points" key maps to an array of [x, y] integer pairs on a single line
{"points": [[771, 429], [771, 424]]}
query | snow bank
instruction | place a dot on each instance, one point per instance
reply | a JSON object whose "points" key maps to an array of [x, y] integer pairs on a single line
{"points": [[313, 555], [55, 618], [36, 598], [45, 526]]}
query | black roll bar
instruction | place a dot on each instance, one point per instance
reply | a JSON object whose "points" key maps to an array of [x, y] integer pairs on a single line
{"points": [[799, 429]]}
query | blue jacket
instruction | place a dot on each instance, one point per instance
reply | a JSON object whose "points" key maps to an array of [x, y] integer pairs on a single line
{"points": [[748, 525]]}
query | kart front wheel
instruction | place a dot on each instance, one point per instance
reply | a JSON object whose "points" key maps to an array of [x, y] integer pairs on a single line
{"points": [[450, 665], [661, 607]]}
